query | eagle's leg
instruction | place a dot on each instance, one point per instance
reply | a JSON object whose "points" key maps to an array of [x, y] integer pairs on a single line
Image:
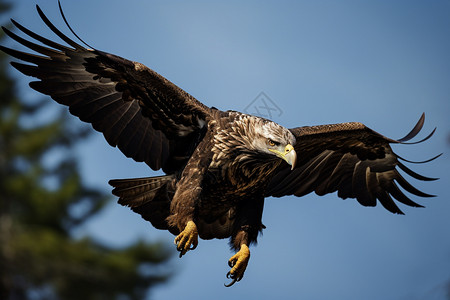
{"points": [[238, 264], [182, 210], [187, 239], [248, 225]]}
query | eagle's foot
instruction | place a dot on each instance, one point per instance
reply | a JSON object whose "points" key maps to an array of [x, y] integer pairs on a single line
{"points": [[187, 239], [238, 264]]}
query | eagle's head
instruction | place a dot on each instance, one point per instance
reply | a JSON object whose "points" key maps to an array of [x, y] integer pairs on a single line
{"points": [[273, 139], [249, 139]]}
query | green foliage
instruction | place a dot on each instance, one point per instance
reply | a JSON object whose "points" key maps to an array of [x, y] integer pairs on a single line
{"points": [[39, 258]]}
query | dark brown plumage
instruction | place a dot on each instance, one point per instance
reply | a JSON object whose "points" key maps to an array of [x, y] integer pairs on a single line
{"points": [[219, 166]]}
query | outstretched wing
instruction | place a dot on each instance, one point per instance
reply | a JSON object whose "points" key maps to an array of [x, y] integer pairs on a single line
{"points": [[351, 159], [149, 118]]}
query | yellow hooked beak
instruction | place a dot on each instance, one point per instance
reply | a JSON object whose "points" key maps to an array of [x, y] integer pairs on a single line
{"points": [[289, 155]]}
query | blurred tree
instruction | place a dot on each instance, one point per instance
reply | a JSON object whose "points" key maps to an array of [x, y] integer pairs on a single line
{"points": [[448, 290], [43, 199]]}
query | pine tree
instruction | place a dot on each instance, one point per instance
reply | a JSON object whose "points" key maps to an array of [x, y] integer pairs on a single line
{"points": [[40, 187]]}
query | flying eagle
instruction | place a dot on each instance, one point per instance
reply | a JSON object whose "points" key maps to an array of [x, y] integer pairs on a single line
{"points": [[219, 165]]}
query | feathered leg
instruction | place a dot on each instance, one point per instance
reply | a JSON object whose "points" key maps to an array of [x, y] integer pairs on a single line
{"points": [[182, 207], [182, 216], [248, 226]]}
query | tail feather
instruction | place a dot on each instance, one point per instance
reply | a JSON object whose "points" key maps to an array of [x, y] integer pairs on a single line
{"points": [[135, 192], [150, 197]]}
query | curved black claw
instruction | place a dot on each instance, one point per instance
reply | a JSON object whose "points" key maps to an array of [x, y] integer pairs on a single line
{"points": [[233, 278], [231, 264], [183, 251]]}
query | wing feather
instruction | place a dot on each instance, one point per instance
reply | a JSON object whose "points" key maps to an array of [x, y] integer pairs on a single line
{"points": [[359, 185], [146, 116], [408, 187], [39, 38], [417, 128]]}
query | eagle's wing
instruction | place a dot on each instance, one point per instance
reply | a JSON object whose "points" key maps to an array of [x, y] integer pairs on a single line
{"points": [[351, 159], [149, 118]]}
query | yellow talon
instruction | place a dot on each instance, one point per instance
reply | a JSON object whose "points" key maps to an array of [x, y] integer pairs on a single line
{"points": [[188, 237], [238, 264]]}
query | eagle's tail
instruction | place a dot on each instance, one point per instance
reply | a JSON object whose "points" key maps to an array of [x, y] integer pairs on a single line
{"points": [[136, 192], [150, 197]]}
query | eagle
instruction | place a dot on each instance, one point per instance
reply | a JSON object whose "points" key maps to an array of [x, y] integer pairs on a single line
{"points": [[219, 166]]}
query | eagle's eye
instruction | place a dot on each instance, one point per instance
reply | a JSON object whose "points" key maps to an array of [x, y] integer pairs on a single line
{"points": [[272, 143]]}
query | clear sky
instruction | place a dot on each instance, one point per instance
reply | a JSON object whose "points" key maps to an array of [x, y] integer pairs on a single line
{"points": [[381, 63]]}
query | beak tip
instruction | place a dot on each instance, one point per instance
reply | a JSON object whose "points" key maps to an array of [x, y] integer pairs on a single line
{"points": [[293, 165]]}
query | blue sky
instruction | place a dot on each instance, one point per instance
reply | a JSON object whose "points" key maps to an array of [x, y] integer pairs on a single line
{"points": [[382, 63]]}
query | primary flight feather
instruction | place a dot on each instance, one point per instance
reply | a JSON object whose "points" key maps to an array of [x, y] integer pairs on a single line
{"points": [[219, 165]]}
